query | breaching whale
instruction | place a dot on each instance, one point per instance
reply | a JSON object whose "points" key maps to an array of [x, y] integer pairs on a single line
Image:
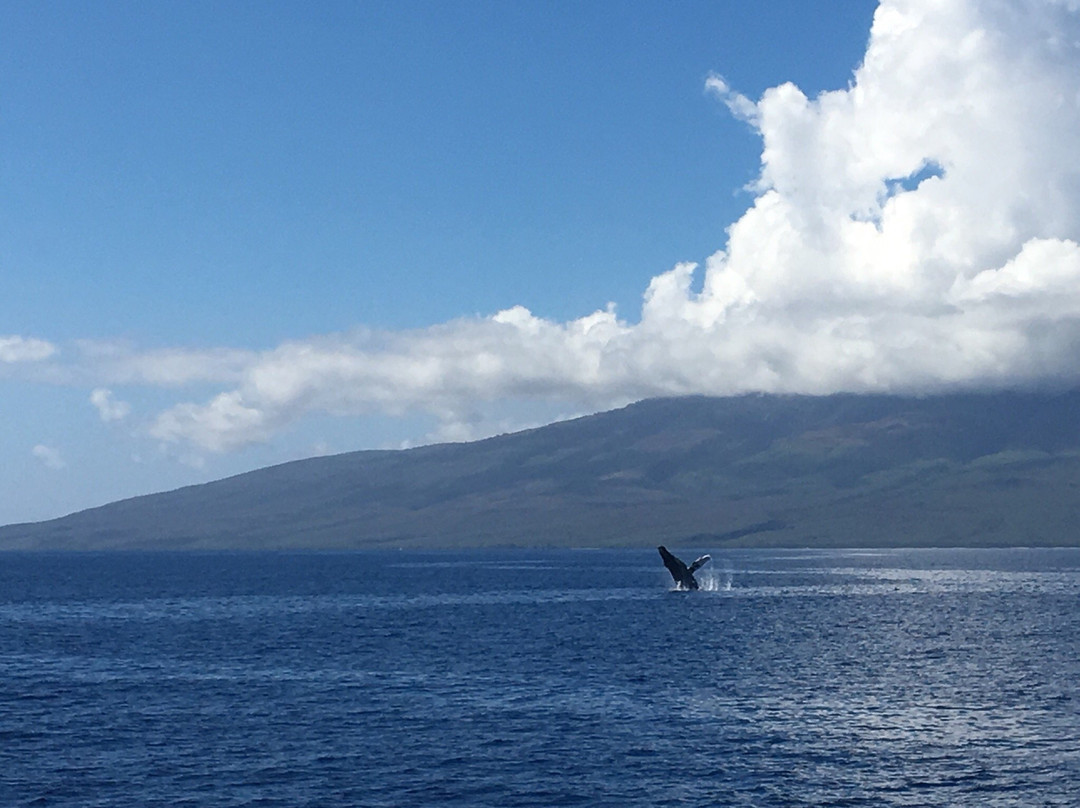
{"points": [[683, 575]]}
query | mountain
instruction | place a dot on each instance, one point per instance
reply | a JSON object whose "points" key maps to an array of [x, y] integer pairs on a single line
{"points": [[841, 470]]}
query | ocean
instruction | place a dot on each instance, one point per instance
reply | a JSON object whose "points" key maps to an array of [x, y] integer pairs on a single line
{"points": [[540, 678]]}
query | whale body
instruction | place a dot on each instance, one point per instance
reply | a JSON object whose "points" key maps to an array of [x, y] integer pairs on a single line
{"points": [[683, 575]]}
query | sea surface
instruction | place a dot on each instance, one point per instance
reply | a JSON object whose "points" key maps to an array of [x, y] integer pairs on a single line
{"points": [[540, 678]]}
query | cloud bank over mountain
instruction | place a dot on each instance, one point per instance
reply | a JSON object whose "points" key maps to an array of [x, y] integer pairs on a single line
{"points": [[915, 231]]}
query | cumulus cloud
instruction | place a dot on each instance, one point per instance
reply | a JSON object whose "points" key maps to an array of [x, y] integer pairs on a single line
{"points": [[223, 424], [25, 349], [108, 407], [915, 231], [49, 456]]}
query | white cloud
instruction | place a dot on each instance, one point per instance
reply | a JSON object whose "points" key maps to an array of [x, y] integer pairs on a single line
{"points": [[917, 230], [25, 349], [121, 363], [49, 456], [108, 407], [225, 423]]}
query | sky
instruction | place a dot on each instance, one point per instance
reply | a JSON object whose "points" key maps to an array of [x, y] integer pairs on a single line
{"points": [[233, 235]]}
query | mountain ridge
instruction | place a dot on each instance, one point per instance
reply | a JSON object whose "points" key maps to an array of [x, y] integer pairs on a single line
{"points": [[839, 470]]}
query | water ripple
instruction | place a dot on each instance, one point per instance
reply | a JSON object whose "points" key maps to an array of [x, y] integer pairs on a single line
{"points": [[873, 679]]}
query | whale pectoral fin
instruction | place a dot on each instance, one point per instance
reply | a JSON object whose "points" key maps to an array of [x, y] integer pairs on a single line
{"points": [[699, 563]]}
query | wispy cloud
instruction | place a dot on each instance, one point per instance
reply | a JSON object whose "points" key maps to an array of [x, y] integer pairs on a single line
{"points": [[25, 349], [120, 362], [108, 406], [49, 456]]}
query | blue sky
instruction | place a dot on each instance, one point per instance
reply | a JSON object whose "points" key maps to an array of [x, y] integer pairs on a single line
{"points": [[193, 173], [237, 234]]}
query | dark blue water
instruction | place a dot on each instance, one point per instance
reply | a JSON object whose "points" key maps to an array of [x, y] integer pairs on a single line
{"points": [[540, 678]]}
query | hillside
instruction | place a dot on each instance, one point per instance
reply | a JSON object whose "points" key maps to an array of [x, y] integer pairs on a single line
{"points": [[847, 470]]}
